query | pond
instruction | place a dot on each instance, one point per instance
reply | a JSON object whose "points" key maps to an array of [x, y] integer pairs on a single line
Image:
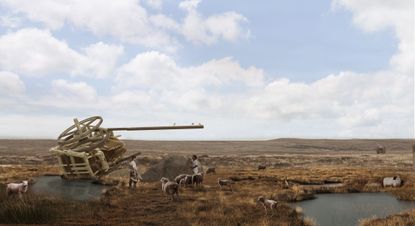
{"points": [[54, 186], [347, 209]]}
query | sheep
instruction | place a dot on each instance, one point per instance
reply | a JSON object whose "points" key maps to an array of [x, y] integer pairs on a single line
{"points": [[179, 178], [197, 179], [392, 181], [262, 167], [17, 188], [225, 182], [380, 149], [187, 180], [169, 188], [210, 170], [267, 204]]}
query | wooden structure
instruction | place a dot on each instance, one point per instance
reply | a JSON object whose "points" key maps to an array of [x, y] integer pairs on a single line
{"points": [[86, 150]]}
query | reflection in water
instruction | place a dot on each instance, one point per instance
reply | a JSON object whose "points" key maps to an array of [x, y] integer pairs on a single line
{"points": [[57, 187], [347, 209]]}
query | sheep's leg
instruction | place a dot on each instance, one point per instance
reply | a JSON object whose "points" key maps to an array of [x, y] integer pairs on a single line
{"points": [[266, 211], [272, 211]]}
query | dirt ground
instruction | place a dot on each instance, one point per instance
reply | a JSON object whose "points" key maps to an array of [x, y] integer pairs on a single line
{"points": [[305, 164]]}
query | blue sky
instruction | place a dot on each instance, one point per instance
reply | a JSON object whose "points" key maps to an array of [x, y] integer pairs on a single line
{"points": [[313, 69]]}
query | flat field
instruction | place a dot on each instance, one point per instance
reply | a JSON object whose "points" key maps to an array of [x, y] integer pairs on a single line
{"points": [[296, 169]]}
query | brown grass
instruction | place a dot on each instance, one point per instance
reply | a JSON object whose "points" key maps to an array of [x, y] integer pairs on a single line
{"points": [[306, 164]]}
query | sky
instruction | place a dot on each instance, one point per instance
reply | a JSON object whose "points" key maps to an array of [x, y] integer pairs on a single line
{"points": [[247, 70]]}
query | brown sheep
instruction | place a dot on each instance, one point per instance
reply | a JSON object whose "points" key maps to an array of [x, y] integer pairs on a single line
{"points": [[211, 170], [262, 167]]}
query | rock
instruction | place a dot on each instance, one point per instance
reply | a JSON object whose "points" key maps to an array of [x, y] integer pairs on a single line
{"points": [[169, 167]]}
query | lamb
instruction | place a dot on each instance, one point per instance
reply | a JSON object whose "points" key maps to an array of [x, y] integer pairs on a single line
{"points": [[262, 167], [197, 179], [169, 188], [211, 170], [225, 182], [267, 204], [17, 188]]}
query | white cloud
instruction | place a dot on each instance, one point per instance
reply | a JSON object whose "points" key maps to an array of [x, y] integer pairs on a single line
{"points": [[155, 4], [130, 22], [78, 90], [350, 102], [233, 100], [10, 84], [10, 21], [371, 16], [35, 52], [198, 87], [76, 96], [198, 29]]}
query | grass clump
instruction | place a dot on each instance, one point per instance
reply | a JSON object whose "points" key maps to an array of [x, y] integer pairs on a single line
{"points": [[27, 210]]}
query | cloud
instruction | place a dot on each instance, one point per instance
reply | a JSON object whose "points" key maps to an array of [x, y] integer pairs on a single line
{"points": [[155, 4], [9, 21], [196, 28], [372, 16], [351, 102], [35, 52], [130, 22], [234, 100], [197, 87], [73, 96], [10, 84]]}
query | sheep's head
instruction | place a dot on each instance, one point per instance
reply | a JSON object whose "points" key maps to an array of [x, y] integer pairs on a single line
{"points": [[164, 180], [25, 185], [261, 199]]}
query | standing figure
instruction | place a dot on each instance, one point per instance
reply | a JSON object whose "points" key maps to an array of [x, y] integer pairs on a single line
{"points": [[134, 175], [196, 165]]}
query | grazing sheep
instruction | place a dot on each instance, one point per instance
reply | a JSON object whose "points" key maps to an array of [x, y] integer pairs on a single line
{"points": [[211, 170], [187, 180], [267, 204], [262, 167], [17, 188], [225, 182], [169, 188], [197, 179], [392, 181]]}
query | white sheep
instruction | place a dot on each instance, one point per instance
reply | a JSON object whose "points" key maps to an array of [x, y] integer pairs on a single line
{"points": [[392, 181], [187, 180], [169, 188], [178, 178], [225, 182], [268, 204], [17, 188]]}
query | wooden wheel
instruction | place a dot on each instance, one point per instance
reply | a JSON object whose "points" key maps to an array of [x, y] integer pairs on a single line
{"points": [[80, 130]]}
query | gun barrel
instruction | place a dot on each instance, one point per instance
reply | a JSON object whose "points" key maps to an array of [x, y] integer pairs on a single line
{"points": [[156, 128]]}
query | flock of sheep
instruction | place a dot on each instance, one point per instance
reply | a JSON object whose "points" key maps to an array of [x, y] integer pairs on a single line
{"points": [[171, 188]]}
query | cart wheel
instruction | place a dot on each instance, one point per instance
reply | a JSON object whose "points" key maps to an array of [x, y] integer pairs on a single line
{"points": [[79, 130]]}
